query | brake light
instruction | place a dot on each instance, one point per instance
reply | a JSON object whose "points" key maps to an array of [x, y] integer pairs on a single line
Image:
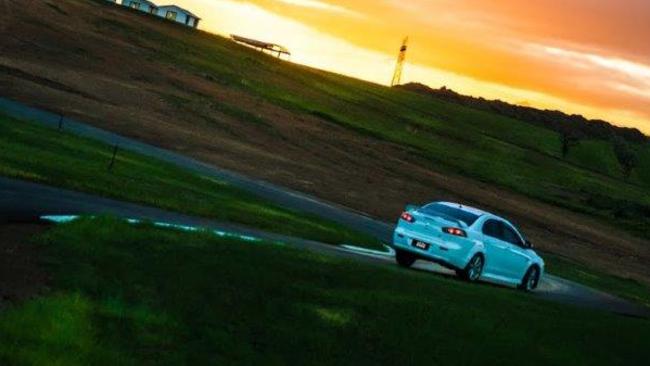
{"points": [[407, 217], [454, 231]]}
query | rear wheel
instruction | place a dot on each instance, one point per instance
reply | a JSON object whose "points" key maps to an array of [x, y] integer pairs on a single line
{"points": [[530, 280], [404, 259], [472, 272]]}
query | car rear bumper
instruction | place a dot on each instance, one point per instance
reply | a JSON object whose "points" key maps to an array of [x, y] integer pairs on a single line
{"points": [[444, 253]]}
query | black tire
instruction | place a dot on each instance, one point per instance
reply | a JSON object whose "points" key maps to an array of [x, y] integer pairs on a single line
{"points": [[530, 280], [404, 259], [472, 272]]}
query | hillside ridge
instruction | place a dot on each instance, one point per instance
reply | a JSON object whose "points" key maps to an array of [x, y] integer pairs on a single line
{"points": [[555, 120]]}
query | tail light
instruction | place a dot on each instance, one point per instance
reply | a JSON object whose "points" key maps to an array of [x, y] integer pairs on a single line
{"points": [[454, 231], [407, 217]]}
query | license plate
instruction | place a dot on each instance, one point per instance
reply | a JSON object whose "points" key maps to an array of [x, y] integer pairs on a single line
{"points": [[421, 245]]}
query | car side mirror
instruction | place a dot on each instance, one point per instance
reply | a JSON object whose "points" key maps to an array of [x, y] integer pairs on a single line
{"points": [[412, 207], [529, 244]]}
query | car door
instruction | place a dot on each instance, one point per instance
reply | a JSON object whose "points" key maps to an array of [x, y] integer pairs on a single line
{"points": [[516, 258], [496, 249]]}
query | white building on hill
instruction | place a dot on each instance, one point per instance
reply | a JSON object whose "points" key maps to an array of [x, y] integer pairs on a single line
{"points": [[170, 12], [142, 5], [179, 15]]}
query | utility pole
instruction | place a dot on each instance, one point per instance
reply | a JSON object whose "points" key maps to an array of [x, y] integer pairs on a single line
{"points": [[397, 76]]}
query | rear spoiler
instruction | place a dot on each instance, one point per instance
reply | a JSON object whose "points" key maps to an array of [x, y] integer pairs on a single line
{"points": [[461, 223], [411, 207]]}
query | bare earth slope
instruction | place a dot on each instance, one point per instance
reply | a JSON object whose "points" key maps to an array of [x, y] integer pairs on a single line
{"points": [[109, 65]]}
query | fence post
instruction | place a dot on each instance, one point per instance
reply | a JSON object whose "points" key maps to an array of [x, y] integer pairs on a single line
{"points": [[60, 122], [110, 166]]}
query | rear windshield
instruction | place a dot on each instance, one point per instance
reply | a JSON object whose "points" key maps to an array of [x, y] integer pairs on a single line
{"points": [[448, 212]]}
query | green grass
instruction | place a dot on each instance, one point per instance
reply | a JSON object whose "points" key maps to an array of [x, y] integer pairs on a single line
{"points": [[123, 294], [452, 138], [32, 152], [598, 154], [623, 287], [643, 171]]}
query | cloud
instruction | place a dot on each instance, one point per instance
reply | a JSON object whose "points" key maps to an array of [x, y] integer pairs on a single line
{"points": [[619, 74], [321, 5], [614, 64]]}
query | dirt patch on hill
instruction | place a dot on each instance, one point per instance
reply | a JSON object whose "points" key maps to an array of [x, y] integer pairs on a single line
{"points": [[42, 81], [85, 48], [21, 277]]}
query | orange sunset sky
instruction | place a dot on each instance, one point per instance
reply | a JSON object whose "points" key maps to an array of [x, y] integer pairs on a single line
{"points": [[581, 56]]}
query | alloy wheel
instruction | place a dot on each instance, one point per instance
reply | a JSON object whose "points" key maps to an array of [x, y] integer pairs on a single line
{"points": [[475, 268], [533, 277]]}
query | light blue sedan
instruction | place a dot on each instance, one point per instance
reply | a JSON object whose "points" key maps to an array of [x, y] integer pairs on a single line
{"points": [[474, 243]]}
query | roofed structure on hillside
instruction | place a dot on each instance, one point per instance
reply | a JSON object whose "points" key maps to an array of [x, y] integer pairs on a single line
{"points": [[170, 12], [261, 45], [145, 6], [179, 15]]}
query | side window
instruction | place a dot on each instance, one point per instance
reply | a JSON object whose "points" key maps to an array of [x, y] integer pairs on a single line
{"points": [[511, 236], [492, 228]]}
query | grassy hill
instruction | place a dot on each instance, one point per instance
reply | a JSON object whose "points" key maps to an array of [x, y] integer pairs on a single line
{"points": [[478, 144], [359, 144], [58, 158], [575, 125]]}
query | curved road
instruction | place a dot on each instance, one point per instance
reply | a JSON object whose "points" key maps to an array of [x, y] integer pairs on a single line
{"points": [[23, 200]]}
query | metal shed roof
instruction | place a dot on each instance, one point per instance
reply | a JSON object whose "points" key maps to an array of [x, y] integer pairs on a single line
{"points": [[181, 9]]}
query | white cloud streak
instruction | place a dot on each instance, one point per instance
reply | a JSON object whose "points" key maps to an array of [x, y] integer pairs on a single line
{"points": [[622, 75], [618, 65], [321, 5]]}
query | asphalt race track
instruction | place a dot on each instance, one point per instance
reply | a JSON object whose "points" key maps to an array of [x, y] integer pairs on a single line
{"points": [[21, 200]]}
